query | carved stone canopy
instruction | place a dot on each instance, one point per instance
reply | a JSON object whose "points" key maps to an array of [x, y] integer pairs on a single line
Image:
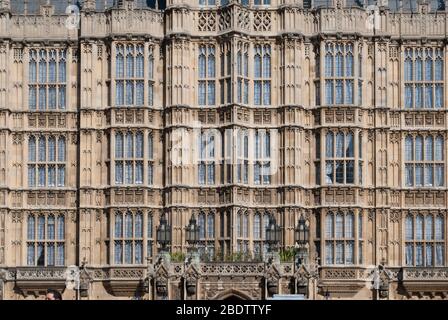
{"points": [[190, 277], [162, 286]]}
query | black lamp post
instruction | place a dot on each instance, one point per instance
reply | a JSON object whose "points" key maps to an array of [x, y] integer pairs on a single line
{"points": [[163, 232], [273, 233], [302, 232], [192, 231], [302, 238]]}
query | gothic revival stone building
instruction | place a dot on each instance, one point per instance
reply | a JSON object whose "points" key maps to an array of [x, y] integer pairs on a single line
{"points": [[121, 112]]}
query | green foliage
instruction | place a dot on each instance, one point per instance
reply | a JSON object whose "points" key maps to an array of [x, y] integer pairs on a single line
{"points": [[177, 256], [287, 255]]}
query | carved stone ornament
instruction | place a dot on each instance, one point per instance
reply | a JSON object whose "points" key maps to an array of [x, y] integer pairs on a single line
{"points": [[272, 277]]}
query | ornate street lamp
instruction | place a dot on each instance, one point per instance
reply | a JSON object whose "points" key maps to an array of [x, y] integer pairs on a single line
{"points": [[193, 231], [163, 232], [273, 233], [302, 232], [302, 238]]}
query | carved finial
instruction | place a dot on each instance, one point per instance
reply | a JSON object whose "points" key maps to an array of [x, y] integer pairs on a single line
{"points": [[5, 5], [423, 6], [89, 5], [125, 4]]}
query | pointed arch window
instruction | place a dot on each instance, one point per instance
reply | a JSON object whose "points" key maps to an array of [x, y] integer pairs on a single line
{"points": [[423, 70], [424, 165], [149, 234], [45, 165], [129, 237], [206, 66], [262, 75], [340, 157], [339, 73], [47, 79], [340, 237], [207, 158], [129, 154], [243, 157], [262, 156], [206, 245], [425, 242], [243, 73], [260, 223], [45, 244], [129, 74], [225, 85], [151, 77], [243, 234]]}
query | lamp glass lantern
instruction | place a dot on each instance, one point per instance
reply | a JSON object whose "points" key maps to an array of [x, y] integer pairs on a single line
{"points": [[192, 231], [163, 232], [273, 232], [302, 232]]}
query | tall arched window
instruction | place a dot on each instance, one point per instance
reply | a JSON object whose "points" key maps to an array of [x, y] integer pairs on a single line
{"points": [[129, 154], [118, 225], [150, 159], [31, 235], [242, 223], [424, 165], [128, 224], [50, 169], [138, 233], [129, 74], [339, 74], [119, 147], [46, 89], [206, 66], [61, 149], [51, 158], [61, 227], [245, 226], [243, 74], [139, 154], [207, 158], [424, 83], [340, 238], [243, 157], [210, 226], [45, 243], [201, 224], [257, 227], [31, 160], [262, 156], [340, 158], [425, 246], [128, 238], [260, 223], [51, 227], [262, 74], [42, 148], [360, 162], [206, 246], [151, 76], [226, 73], [238, 225], [149, 233], [31, 227]]}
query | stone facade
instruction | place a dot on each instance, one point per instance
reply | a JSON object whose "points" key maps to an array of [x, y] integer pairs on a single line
{"points": [[64, 210]]}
